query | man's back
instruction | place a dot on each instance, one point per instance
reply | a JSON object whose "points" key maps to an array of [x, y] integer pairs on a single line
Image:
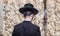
{"points": [[26, 28]]}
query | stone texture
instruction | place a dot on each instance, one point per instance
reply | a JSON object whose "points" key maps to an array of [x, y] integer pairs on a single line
{"points": [[2, 15], [53, 18], [58, 18], [13, 17], [51, 22]]}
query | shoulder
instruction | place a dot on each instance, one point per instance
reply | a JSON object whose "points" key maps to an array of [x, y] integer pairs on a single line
{"points": [[18, 25], [35, 26]]}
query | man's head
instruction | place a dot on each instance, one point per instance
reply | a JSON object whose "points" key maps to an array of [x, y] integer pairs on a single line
{"points": [[28, 15], [28, 10]]}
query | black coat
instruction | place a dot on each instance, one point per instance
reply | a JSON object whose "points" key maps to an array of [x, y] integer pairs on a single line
{"points": [[26, 28]]}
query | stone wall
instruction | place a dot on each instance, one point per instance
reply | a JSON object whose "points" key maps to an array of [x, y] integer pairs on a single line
{"points": [[53, 12], [2, 15], [13, 17]]}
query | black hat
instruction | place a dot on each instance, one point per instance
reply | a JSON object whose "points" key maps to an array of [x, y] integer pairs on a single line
{"points": [[28, 7]]}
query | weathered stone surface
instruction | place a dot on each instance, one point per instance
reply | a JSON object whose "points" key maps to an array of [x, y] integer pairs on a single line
{"points": [[2, 22], [13, 17], [53, 18]]}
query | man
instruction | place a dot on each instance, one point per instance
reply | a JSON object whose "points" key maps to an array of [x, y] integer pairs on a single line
{"points": [[26, 28]]}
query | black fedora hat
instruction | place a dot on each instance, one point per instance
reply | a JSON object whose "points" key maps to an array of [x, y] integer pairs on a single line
{"points": [[28, 7]]}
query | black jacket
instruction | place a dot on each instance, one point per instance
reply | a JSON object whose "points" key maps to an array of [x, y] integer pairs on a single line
{"points": [[26, 28]]}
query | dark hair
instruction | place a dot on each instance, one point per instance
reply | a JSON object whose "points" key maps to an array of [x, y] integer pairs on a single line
{"points": [[27, 13]]}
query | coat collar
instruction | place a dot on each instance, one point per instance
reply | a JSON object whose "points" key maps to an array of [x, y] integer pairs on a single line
{"points": [[27, 21]]}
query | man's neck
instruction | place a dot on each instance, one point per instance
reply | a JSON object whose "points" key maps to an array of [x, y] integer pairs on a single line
{"points": [[27, 19]]}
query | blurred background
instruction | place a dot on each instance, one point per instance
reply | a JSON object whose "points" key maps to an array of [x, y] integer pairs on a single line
{"points": [[10, 16]]}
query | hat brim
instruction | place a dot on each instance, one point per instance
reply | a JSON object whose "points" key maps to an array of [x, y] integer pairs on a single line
{"points": [[33, 10]]}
